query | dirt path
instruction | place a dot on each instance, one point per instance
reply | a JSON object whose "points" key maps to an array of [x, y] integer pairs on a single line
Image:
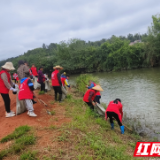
{"points": [[8, 125]]}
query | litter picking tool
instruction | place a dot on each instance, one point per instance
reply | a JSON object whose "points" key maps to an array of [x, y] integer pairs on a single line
{"points": [[40, 101]]}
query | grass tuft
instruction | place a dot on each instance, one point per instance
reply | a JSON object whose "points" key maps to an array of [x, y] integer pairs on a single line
{"points": [[41, 92], [16, 134], [29, 155]]}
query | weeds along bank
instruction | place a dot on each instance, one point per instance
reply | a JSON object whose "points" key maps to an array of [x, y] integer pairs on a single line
{"points": [[115, 53], [86, 136]]}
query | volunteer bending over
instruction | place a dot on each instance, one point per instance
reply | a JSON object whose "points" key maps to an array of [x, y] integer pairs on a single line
{"points": [[26, 89], [6, 84], [114, 110], [90, 96]]}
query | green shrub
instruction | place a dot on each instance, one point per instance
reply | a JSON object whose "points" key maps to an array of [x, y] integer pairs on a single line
{"points": [[41, 92], [29, 156], [83, 80], [17, 133]]}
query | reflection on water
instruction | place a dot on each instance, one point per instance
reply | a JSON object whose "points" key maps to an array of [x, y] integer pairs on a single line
{"points": [[139, 91]]}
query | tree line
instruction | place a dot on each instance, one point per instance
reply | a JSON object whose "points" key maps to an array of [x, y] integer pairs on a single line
{"points": [[111, 54]]}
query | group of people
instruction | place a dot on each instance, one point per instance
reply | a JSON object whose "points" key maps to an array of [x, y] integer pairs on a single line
{"points": [[26, 88], [114, 109], [59, 82]]}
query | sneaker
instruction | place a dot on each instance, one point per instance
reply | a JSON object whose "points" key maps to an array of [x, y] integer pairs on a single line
{"points": [[10, 115], [12, 112], [32, 114]]}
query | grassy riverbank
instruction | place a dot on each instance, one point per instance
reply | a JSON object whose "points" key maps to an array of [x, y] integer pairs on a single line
{"points": [[85, 137]]}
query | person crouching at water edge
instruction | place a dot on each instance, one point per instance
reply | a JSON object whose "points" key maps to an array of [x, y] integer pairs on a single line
{"points": [[56, 82], [6, 84], [114, 110], [90, 95], [98, 94], [26, 93]]}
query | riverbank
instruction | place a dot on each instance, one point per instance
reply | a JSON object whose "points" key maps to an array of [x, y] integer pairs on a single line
{"points": [[71, 132]]}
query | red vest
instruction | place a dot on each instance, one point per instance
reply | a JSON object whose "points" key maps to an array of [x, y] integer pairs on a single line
{"points": [[97, 93], [54, 77], [63, 81], [24, 91], [15, 75], [3, 88], [86, 95], [116, 108], [34, 71]]}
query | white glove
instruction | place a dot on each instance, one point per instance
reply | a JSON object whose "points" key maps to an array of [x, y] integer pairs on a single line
{"points": [[13, 89], [16, 85]]}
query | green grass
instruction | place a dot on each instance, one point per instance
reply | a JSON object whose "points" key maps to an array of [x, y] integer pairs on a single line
{"points": [[41, 92], [21, 139], [30, 155], [16, 134], [94, 134], [53, 112], [83, 80]]}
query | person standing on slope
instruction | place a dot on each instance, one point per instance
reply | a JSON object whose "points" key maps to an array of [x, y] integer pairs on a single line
{"points": [[34, 70], [15, 77], [114, 110], [41, 78], [56, 82], [22, 70], [6, 84]]}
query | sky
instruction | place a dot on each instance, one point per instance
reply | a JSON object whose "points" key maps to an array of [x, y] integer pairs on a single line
{"points": [[27, 24]]}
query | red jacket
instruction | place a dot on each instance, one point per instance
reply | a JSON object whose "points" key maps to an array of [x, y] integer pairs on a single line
{"points": [[63, 80], [116, 108], [86, 95], [55, 81], [34, 71], [24, 91], [97, 93], [3, 88]]}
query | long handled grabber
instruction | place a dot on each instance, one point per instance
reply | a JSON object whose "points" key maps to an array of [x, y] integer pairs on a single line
{"points": [[41, 102]]}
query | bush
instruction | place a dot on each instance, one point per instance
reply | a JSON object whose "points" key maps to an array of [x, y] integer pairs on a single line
{"points": [[83, 80]]}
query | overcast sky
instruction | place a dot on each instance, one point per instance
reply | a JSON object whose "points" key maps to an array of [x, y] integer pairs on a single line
{"points": [[27, 24]]}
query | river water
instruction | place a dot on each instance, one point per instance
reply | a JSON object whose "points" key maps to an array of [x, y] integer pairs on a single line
{"points": [[139, 91]]}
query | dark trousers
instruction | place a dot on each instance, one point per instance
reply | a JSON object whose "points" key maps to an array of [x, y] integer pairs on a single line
{"points": [[90, 105], [42, 86], [111, 115], [57, 89], [7, 101], [15, 81], [97, 99]]}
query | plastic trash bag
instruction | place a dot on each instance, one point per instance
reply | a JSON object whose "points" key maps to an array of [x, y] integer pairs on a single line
{"points": [[99, 109], [36, 84], [47, 85], [64, 93], [20, 105]]}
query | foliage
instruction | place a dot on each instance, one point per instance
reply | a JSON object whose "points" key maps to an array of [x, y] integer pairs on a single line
{"points": [[83, 80], [41, 92], [17, 133], [115, 53], [28, 155]]}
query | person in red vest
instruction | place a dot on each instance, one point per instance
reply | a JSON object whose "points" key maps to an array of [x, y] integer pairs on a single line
{"points": [[34, 70], [98, 94], [90, 95], [26, 89], [15, 77], [56, 82], [114, 110], [5, 85]]}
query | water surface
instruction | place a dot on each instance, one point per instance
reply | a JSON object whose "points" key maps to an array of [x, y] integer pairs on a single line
{"points": [[139, 91]]}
